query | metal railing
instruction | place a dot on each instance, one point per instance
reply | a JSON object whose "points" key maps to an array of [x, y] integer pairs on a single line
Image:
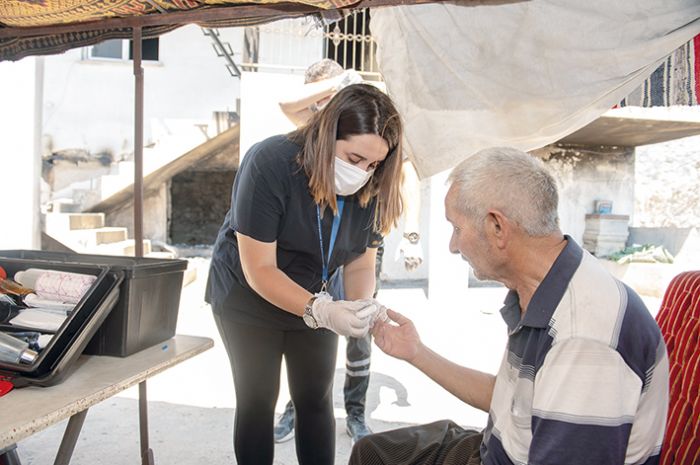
{"points": [[293, 45]]}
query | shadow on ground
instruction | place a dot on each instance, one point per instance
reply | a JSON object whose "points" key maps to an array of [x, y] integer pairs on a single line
{"points": [[181, 434]]}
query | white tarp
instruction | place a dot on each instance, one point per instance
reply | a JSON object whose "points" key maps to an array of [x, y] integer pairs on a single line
{"points": [[523, 74]]}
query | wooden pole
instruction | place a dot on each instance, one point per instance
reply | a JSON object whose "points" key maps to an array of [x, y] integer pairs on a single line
{"points": [[146, 452], [138, 144]]}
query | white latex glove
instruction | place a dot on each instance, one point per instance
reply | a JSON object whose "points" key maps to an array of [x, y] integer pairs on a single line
{"points": [[412, 254], [344, 317], [379, 315], [347, 78]]}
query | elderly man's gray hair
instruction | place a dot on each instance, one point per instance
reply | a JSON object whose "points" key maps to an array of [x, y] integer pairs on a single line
{"points": [[511, 181]]}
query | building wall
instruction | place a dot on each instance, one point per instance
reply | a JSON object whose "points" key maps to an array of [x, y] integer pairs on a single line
{"points": [[587, 174], [89, 103], [20, 163]]}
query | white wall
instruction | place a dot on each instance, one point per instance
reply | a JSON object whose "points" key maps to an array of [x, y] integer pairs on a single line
{"points": [[20, 162], [261, 116], [90, 103]]}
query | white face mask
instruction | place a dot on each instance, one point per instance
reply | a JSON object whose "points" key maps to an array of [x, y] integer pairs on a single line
{"points": [[349, 178]]}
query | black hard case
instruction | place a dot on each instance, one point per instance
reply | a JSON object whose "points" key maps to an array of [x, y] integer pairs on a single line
{"points": [[147, 311], [55, 361]]}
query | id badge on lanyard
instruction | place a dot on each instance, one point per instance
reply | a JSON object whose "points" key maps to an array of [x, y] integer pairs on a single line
{"points": [[326, 259]]}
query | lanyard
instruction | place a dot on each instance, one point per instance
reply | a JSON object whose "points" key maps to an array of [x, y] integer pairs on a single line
{"points": [[325, 261]]}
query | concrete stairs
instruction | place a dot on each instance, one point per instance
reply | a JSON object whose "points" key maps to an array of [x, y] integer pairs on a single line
{"points": [[87, 233]]}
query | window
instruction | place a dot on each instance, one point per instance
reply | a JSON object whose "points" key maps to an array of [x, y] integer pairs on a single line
{"points": [[119, 49]]}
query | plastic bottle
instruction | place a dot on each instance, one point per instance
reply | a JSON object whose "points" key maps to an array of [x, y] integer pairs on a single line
{"points": [[56, 285], [8, 286], [13, 350]]}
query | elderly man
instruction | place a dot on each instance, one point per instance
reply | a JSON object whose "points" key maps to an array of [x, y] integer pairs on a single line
{"points": [[584, 378]]}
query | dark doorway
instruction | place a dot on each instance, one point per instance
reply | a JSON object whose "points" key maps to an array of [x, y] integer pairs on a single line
{"points": [[199, 201]]}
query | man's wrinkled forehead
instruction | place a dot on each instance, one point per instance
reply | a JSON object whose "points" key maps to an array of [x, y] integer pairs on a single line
{"points": [[451, 199]]}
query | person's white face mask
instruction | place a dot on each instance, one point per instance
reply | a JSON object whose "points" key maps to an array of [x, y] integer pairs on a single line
{"points": [[349, 178]]}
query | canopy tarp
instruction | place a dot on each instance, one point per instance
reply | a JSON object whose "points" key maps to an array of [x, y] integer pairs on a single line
{"points": [[43, 27], [527, 74]]}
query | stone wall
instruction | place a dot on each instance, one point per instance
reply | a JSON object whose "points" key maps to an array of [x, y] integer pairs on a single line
{"points": [[668, 184], [199, 201]]}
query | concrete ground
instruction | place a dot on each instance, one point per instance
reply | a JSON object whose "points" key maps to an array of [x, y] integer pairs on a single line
{"points": [[191, 406]]}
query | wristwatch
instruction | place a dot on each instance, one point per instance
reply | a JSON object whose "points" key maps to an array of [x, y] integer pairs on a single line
{"points": [[309, 318], [413, 237]]}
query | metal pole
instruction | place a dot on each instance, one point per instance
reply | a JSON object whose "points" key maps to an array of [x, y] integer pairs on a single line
{"points": [[138, 145], [146, 452]]}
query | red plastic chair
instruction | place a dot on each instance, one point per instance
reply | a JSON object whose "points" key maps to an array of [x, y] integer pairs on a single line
{"points": [[679, 319]]}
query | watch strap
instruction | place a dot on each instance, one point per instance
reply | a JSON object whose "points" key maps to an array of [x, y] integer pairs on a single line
{"points": [[309, 317]]}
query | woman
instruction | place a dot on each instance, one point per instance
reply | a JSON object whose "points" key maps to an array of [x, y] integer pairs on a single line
{"points": [[303, 204]]}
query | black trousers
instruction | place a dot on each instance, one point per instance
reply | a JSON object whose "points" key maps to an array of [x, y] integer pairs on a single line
{"points": [[439, 443], [256, 354]]}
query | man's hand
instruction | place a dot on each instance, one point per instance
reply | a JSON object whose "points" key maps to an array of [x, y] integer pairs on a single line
{"points": [[397, 336], [412, 254]]}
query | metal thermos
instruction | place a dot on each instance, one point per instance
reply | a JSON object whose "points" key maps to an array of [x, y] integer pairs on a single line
{"points": [[13, 350]]}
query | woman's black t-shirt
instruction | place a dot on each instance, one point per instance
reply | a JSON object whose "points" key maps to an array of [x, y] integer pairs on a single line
{"points": [[270, 201]]}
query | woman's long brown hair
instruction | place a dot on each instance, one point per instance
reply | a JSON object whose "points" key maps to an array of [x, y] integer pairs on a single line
{"points": [[356, 110]]}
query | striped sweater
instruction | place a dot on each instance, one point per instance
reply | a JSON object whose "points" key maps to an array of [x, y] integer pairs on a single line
{"points": [[584, 379]]}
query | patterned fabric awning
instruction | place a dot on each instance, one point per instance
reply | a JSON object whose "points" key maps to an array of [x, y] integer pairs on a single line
{"points": [[32, 13], [43, 27]]}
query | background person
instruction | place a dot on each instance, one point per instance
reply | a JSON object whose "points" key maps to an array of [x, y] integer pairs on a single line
{"points": [[302, 205], [584, 378]]}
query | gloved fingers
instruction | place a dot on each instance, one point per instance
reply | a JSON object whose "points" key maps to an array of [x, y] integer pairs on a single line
{"points": [[354, 305], [379, 317], [359, 332], [367, 312], [354, 322], [323, 296]]}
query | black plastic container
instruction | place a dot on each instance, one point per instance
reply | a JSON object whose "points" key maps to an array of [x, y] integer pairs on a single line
{"points": [[146, 313], [55, 361]]}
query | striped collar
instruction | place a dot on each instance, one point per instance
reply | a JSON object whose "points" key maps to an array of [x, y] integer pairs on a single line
{"points": [[548, 294]]}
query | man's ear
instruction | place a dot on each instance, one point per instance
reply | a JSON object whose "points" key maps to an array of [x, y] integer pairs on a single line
{"points": [[498, 228]]}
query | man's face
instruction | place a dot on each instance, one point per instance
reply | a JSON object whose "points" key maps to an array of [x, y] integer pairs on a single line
{"points": [[468, 238]]}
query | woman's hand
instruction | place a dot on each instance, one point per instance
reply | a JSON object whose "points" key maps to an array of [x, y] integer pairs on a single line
{"points": [[347, 318], [397, 336]]}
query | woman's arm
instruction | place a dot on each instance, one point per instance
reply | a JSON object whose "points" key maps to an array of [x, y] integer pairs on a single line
{"points": [[358, 276], [259, 263]]}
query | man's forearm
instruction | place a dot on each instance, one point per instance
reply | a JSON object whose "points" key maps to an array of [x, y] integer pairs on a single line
{"points": [[471, 386]]}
